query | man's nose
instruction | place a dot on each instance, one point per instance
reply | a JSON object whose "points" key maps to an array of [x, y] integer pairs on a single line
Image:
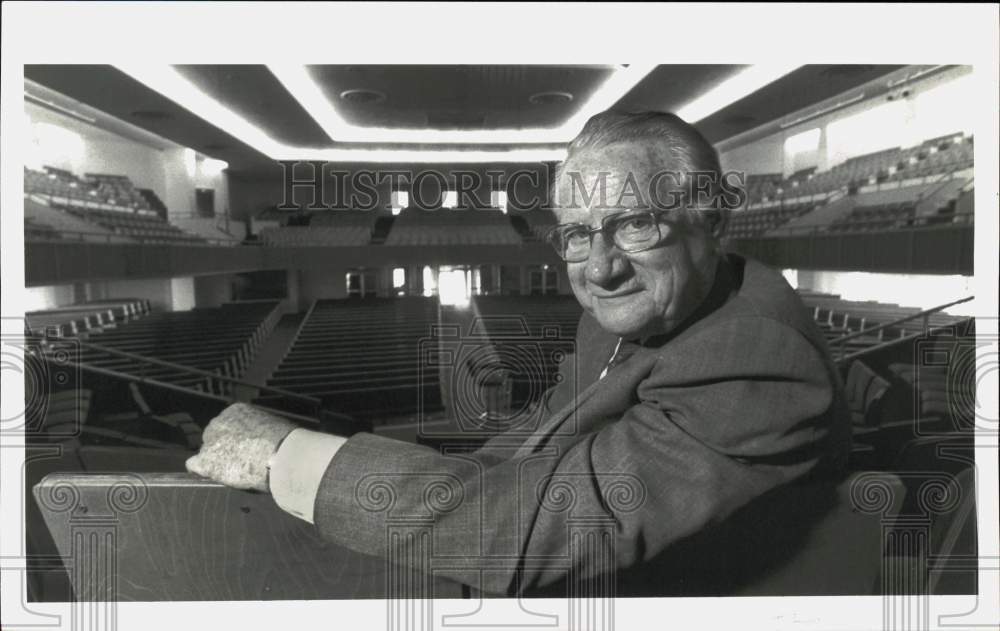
{"points": [[605, 263]]}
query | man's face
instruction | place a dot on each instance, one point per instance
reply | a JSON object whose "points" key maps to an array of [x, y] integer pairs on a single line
{"points": [[642, 293]]}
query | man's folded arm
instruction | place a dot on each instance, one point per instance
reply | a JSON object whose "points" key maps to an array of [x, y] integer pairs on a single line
{"points": [[702, 442]]}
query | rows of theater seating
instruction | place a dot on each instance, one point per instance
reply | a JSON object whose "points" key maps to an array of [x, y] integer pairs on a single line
{"points": [[316, 236], [532, 337], [904, 382], [98, 207], [220, 341], [539, 221], [363, 358], [931, 158], [112, 203], [80, 318], [148, 228], [94, 188], [413, 226], [910, 404], [838, 318], [914, 171], [330, 228], [385, 360], [875, 211], [117, 190], [932, 203], [43, 222], [752, 223]]}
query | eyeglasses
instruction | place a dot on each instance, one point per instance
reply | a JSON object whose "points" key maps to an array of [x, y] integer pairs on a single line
{"points": [[630, 231]]}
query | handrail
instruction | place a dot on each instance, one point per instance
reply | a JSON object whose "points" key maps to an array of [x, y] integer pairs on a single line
{"points": [[856, 226], [184, 390], [944, 177], [115, 237], [298, 332], [914, 316], [839, 342], [197, 371], [940, 184]]}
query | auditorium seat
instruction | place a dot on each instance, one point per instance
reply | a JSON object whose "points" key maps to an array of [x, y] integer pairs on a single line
{"points": [[98, 207], [838, 316], [532, 336], [888, 176], [762, 186], [842, 552], [446, 226], [216, 341], [80, 317], [330, 228], [47, 577], [117, 190], [363, 358], [538, 222], [65, 226], [147, 227], [746, 223]]}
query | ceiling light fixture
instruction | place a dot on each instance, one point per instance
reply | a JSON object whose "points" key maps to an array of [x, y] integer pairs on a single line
{"points": [[426, 156], [733, 89], [363, 96], [171, 84], [174, 86], [58, 108], [552, 97], [306, 91]]}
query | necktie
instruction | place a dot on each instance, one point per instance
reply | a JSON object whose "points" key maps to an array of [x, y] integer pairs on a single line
{"points": [[623, 350]]}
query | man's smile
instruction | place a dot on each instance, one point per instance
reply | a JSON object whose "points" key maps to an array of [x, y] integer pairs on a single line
{"points": [[615, 295]]}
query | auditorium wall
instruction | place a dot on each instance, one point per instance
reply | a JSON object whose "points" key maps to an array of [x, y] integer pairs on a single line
{"points": [[168, 170], [186, 171], [924, 108], [212, 290], [163, 294], [47, 297], [320, 284], [83, 148], [764, 156], [911, 290]]}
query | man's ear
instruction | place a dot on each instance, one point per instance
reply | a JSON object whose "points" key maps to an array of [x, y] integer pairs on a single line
{"points": [[716, 221]]}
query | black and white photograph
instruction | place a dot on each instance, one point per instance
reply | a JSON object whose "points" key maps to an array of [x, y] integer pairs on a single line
{"points": [[415, 316]]}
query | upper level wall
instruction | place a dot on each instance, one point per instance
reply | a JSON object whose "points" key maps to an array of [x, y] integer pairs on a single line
{"points": [[933, 106], [353, 186], [54, 263], [938, 250], [173, 173], [82, 148]]}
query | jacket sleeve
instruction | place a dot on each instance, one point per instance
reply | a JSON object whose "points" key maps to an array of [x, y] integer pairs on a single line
{"points": [[729, 414]]}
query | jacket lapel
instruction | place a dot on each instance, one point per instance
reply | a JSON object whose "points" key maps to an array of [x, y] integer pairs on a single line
{"points": [[609, 396]]}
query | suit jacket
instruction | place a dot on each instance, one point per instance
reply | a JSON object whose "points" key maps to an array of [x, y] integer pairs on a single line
{"points": [[666, 474]]}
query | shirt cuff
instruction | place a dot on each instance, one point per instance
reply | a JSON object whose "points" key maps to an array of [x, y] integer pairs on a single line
{"points": [[297, 469]]}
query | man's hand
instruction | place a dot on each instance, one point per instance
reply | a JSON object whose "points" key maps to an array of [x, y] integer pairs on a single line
{"points": [[236, 446]]}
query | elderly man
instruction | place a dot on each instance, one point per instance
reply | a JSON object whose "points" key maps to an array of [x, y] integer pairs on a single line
{"points": [[704, 392]]}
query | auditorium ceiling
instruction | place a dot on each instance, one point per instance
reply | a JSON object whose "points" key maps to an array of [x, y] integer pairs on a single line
{"points": [[251, 115]]}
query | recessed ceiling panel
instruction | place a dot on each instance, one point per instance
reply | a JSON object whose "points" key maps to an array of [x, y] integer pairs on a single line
{"points": [[796, 90], [256, 95], [112, 91], [458, 97], [670, 87]]}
